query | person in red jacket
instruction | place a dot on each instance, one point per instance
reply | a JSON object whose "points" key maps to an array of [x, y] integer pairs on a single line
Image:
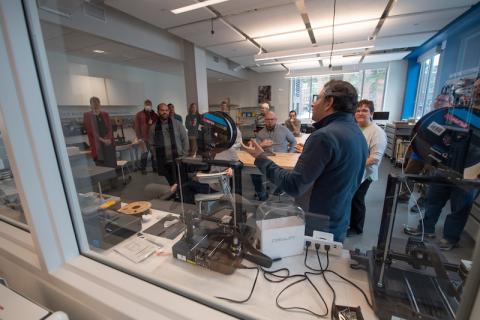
{"points": [[143, 121], [100, 135]]}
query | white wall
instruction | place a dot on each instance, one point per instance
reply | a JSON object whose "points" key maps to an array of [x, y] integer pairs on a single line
{"points": [[244, 93], [76, 79]]}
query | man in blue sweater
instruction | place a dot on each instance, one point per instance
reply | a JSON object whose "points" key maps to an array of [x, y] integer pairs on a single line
{"points": [[331, 166]]}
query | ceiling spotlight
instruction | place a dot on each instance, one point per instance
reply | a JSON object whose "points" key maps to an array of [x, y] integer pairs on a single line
{"points": [[98, 51]]}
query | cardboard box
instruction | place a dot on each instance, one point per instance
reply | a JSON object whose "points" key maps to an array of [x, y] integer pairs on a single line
{"points": [[281, 237]]}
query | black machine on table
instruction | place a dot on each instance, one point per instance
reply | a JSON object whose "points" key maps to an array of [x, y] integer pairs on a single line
{"points": [[211, 242], [413, 280]]}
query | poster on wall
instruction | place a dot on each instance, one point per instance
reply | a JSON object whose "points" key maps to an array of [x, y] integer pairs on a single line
{"points": [[264, 94]]}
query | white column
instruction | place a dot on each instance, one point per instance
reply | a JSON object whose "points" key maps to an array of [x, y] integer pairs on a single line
{"points": [[195, 69]]}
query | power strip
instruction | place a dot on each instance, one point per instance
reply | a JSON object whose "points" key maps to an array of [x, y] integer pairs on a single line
{"points": [[325, 239]]}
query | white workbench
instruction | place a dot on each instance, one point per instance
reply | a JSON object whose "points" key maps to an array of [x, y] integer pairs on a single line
{"points": [[203, 285]]}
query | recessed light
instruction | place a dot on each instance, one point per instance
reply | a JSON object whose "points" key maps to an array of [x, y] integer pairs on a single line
{"points": [[220, 79], [98, 51]]}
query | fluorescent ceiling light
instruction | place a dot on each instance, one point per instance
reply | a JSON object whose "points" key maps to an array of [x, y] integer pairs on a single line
{"points": [[98, 51], [196, 6], [308, 53], [298, 60]]}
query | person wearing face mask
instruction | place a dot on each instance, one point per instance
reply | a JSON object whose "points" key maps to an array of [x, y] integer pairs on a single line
{"points": [[100, 135], [377, 143], [144, 119]]}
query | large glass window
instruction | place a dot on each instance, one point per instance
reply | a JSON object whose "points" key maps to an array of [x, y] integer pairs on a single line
{"points": [[426, 85], [370, 84], [11, 209]]}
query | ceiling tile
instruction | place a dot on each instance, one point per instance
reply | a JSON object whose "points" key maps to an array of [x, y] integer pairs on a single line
{"points": [[415, 23], [199, 33], [235, 49], [358, 31], [236, 6], [158, 12], [411, 6], [244, 60], [269, 68], [268, 22], [320, 13], [286, 41], [405, 41], [385, 57]]}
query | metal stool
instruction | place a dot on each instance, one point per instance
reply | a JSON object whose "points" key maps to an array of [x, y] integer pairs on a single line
{"points": [[123, 164]]}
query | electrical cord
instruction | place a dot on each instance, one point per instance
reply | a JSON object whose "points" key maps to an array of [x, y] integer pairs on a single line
{"points": [[251, 290]]}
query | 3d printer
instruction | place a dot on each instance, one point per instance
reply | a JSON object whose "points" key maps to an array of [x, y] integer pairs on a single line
{"points": [[413, 280], [220, 240]]}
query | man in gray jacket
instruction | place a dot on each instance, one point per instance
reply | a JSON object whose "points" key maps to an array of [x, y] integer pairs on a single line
{"points": [[170, 141]]}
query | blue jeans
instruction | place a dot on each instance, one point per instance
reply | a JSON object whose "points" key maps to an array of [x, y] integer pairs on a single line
{"points": [[461, 203]]}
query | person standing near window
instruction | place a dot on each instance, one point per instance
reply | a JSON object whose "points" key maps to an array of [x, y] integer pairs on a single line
{"points": [[191, 123], [169, 140], [100, 135], [143, 121], [293, 124], [377, 143]]}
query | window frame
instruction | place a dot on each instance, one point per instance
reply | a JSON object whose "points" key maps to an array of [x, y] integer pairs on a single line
{"points": [[333, 76], [423, 85]]}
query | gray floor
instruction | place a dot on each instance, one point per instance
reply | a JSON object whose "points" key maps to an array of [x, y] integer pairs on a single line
{"points": [[135, 190]]}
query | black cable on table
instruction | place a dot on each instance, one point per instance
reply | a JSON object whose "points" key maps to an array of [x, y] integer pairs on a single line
{"points": [[251, 291]]}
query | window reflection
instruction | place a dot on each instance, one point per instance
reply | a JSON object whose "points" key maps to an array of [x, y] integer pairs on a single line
{"points": [[10, 207]]}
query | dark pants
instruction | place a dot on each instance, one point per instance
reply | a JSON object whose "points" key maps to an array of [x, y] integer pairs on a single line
{"points": [[258, 180], [461, 203], [357, 216], [144, 157], [169, 170]]}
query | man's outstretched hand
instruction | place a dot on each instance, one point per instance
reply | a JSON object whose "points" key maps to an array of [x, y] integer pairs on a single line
{"points": [[253, 148]]}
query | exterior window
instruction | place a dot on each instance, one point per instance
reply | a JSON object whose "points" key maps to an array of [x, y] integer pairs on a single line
{"points": [[11, 210], [370, 84], [426, 86]]}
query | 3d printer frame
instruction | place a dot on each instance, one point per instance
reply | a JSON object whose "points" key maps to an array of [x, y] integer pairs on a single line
{"points": [[400, 290]]}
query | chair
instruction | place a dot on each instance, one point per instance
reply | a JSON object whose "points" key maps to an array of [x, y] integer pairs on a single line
{"points": [[123, 165]]}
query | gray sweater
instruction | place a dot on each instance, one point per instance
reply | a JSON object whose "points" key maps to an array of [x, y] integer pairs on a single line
{"points": [[181, 138], [283, 139]]}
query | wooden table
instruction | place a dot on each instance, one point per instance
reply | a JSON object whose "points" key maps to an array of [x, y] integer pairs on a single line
{"points": [[284, 160]]}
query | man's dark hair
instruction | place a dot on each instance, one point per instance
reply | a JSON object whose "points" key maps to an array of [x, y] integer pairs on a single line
{"points": [[147, 102], [94, 99], [293, 112], [344, 95], [368, 104]]}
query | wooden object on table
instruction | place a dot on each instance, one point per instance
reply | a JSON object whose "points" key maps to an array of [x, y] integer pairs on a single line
{"points": [[284, 160], [136, 208]]}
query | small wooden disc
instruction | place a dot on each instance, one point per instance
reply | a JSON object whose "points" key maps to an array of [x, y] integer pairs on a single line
{"points": [[136, 208]]}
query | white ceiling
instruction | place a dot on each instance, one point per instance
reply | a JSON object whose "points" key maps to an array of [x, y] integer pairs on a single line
{"points": [[241, 27], [218, 77], [277, 25]]}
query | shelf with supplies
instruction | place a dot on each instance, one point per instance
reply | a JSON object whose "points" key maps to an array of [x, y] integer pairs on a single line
{"points": [[398, 138]]}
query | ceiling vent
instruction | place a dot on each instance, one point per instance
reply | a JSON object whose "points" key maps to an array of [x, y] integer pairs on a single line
{"points": [[216, 59], [337, 68], [94, 11]]}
